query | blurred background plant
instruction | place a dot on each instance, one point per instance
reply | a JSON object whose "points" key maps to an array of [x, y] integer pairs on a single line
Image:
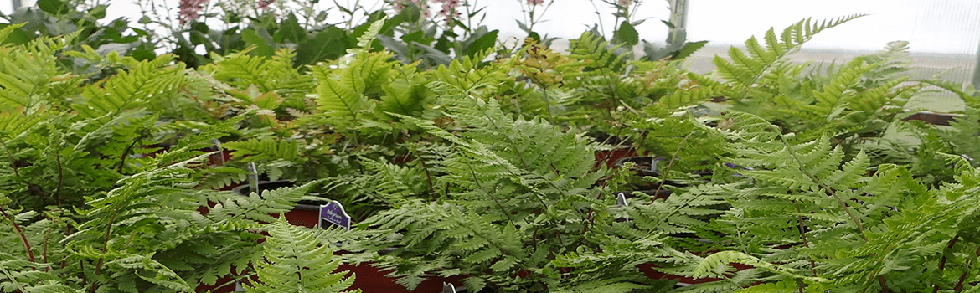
{"points": [[533, 13], [196, 28], [433, 39], [87, 17]]}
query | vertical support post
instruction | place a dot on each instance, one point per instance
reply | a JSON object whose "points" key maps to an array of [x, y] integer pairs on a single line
{"points": [[976, 71], [678, 17]]}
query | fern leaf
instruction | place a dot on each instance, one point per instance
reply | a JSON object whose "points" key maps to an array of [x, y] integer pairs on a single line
{"points": [[295, 261], [596, 53], [132, 89], [255, 150], [364, 41], [746, 70]]}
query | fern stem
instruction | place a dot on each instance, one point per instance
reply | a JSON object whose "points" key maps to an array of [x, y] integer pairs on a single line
{"points": [[942, 260], [428, 176], [44, 249], [20, 232], [806, 243], [547, 104], [10, 157], [671, 164], [969, 268], [495, 200], [125, 154], [826, 189]]}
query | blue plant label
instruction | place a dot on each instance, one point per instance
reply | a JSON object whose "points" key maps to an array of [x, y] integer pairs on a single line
{"points": [[621, 199], [333, 214], [448, 288]]}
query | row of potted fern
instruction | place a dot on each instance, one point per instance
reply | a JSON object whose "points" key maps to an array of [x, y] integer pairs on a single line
{"points": [[779, 177]]}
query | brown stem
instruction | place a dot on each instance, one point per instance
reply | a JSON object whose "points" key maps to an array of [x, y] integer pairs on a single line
{"points": [[959, 284], [10, 157], [942, 260], [23, 238], [125, 154], [427, 175], [881, 281]]}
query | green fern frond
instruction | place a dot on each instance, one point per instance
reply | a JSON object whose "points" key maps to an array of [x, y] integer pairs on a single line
{"points": [[405, 94], [18, 275], [470, 74], [258, 207], [295, 261], [745, 70], [133, 89], [835, 96], [242, 69], [596, 54], [365, 40], [30, 73], [256, 150], [349, 92]]}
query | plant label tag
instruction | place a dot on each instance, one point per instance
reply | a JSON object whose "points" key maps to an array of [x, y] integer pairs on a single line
{"points": [[253, 179], [621, 200], [333, 214], [448, 288]]}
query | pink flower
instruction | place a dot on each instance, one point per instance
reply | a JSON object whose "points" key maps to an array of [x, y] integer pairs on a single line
{"points": [[625, 2], [421, 4], [535, 2], [190, 9], [449, 9], [264, 4]]}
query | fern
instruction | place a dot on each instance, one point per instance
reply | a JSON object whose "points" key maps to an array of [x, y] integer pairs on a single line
{"points": [[295, 262], [29, 75], [242, 70], [133, 89], [519, 191], [804, 211], [746, 70], [343, 92], [470, 74], [596, 54], [261, 150]]}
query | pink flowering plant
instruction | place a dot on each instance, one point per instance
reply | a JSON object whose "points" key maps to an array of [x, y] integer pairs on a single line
{"points": [[533, 13], [434, 32], [195, 29], [624, 13]]}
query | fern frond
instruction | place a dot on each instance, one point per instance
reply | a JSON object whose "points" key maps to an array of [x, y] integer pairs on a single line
{"points": [[471, 75], [257, 207], [256, 150], [30, 73], [745, 70], [295, 261], [595, 53], [133, 89], [364, 41]]}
